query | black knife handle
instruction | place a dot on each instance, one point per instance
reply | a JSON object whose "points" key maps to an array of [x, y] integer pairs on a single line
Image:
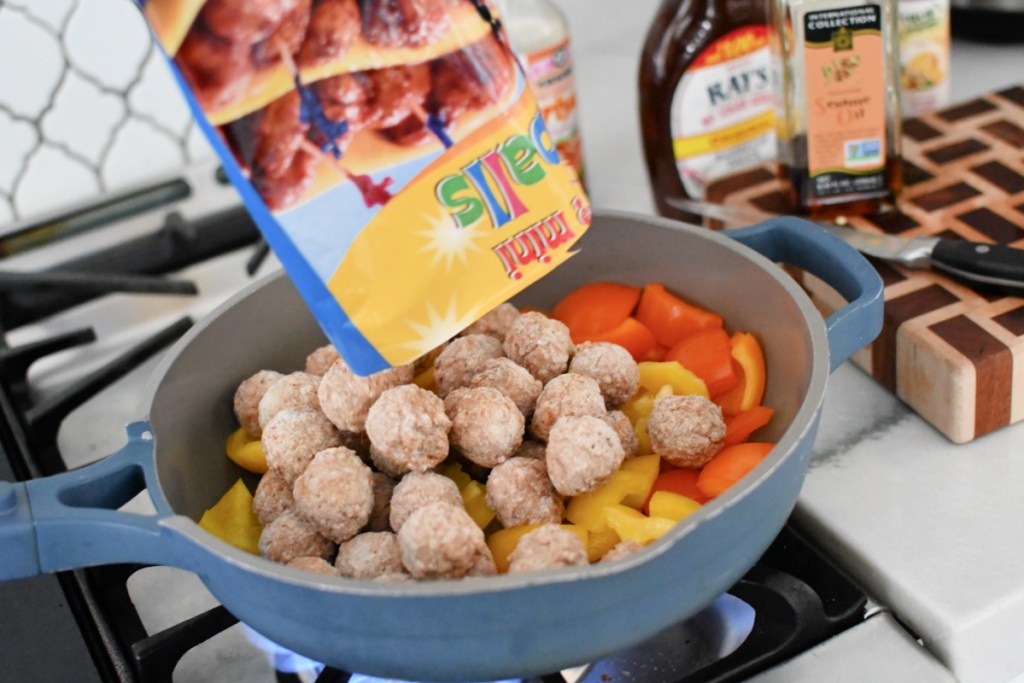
{"points": [[989, 264]]}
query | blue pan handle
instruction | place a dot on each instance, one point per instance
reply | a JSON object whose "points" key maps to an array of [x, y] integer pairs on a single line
{"points": [[71, 520], [800, 243]]}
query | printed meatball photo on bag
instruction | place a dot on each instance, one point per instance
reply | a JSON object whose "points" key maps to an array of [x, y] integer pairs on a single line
{"points": [[390, 153]]}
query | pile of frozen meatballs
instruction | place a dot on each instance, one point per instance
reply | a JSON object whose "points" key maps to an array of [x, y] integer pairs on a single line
{"points": [[351, 487]]}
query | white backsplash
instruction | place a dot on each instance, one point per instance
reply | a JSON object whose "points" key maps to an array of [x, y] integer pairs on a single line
{"points": [[87, 105]]}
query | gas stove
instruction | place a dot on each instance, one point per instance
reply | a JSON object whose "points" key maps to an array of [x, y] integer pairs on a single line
{"points": [[90, 298]]}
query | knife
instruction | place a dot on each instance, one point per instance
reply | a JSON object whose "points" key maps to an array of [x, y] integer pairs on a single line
{"points": [[975, 262]]}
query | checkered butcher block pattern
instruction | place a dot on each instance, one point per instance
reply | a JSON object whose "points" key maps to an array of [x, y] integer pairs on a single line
{"points": [[954, 354]]}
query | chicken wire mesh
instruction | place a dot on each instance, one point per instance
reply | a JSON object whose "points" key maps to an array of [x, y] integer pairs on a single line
{"points": [[87, 105]]}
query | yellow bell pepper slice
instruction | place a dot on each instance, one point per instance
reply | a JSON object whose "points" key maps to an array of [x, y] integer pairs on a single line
{"points": [[631, 525], [672, 505], [600, 543], [655, 375], [644, 446], [232, 520], [638, 407], [503, 542], [246, 452], [586, 508], [474, 497], [453, 470], [426, 380], [648, 467]]}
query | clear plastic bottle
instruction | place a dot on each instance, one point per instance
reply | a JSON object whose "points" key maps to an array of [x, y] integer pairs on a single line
{"points": [[539, 34]]}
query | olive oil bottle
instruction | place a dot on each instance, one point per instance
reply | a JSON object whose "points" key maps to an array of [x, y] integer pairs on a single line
{"points": [[837, 95]]}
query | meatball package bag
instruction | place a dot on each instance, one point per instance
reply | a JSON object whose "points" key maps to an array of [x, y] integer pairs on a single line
{"points": [[390, 153]]}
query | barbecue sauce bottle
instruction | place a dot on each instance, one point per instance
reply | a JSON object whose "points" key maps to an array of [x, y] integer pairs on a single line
{"points": [[706, 103]]}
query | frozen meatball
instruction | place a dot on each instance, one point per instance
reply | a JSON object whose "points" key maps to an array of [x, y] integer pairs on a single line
{"points": [[321, 360], [583, 452], [495, 323], [295, 391], [273, 496], [531, 449], [335, 493], [519, 492], [380, 515], [358, 442], [290, 536], [440, 541], [618, 421], [247, 400], [345, 397], [563, 396], [686, 430], [428, 359], [370, 555], [512, 380], [612, 366], [408, 429], [484, 564], [540, 344], [622, 549], [293, 437], [487, 426], [548, 547], [317, 565], [418, 489], [463, 358]]}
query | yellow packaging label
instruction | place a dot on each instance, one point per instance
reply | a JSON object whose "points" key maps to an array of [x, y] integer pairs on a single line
{"points": [[475, 230]]}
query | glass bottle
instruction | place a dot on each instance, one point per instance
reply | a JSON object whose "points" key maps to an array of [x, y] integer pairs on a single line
{"points": [[539, 34], [838, 104], [705, 96]]}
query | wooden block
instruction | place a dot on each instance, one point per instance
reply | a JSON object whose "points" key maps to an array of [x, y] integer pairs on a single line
{"points": [[954, 354]]}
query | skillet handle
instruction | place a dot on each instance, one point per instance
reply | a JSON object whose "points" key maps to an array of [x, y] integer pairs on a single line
{"points": [[799, 243], [71, 520]]}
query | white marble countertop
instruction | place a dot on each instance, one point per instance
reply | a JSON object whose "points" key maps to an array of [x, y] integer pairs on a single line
{"points": [[931, 528]]}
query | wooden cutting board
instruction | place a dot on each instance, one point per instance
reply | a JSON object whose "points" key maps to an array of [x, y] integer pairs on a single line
{"points": [[954, 354]]}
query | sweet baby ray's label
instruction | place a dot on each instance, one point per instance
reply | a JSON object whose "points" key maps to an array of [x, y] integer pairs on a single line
{"points": [[393, 158]]}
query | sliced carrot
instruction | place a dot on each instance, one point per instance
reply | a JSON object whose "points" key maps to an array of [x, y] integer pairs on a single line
{"points": [[707, 354], [739, 427], [749, 391], [682, 481], [730, 465], [630, 334], [596, 307], [670, 318]]}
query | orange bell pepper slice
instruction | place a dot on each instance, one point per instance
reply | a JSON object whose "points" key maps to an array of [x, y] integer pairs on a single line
{"points": [[680, 481], [629, 334], [707, 354], [596, 307], [739, 427], [670, 318], [749, 391], [730, 465]]}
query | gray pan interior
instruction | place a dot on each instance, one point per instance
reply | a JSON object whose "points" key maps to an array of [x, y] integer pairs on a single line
{"points": [[268, 327]]}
